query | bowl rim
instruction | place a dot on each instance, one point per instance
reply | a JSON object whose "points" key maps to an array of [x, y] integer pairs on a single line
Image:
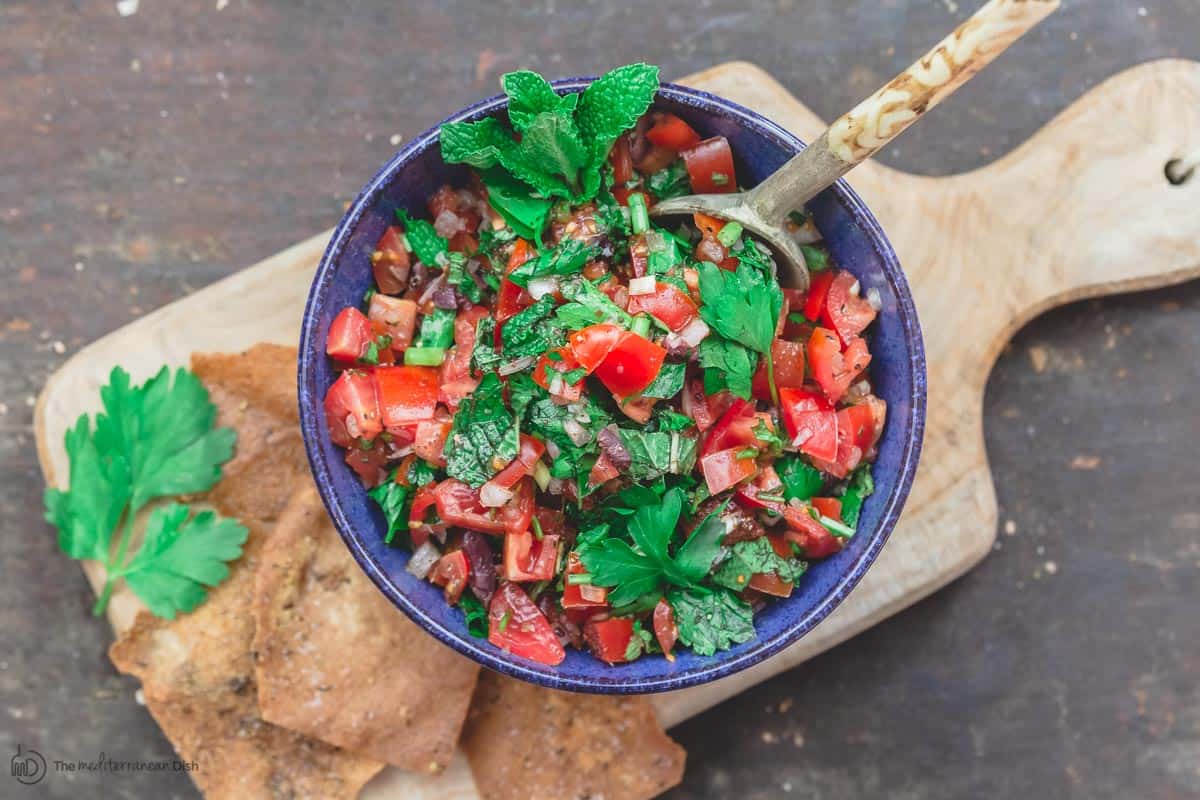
{"points": [[715, 667]]}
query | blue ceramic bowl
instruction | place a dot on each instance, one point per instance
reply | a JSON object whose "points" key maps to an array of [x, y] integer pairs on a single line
{"points": [[897, 372]]}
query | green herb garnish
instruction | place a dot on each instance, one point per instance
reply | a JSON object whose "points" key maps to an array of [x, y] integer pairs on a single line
{"points": [[150, 441]]}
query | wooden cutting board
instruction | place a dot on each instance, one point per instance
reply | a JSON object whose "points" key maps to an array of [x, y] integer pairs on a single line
{"points": [[1081, 209]]}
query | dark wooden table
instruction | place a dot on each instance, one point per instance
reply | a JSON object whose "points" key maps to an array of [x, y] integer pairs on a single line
{"points": [[144, 156]]}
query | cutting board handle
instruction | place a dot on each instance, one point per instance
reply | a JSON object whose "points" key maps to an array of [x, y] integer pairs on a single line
{"points": [[1086, 203]]}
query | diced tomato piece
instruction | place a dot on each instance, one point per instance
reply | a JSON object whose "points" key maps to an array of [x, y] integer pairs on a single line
{"points": [[788, 358], [638, 409], [818, 291], [370, 464], [527, 559], [592, 344], [515, 624], [547, 368], [465, 324], [720, 436], [451, 572], [603, 471], [630, 366], [406, 394], [829, 507], [608, 639], [463, 242], [352, 408], [673, 133], [517, 514], [622, 162], [770, 583], [832, 369], [458, 506], [395, 317], [455, 381], [725, 468], [425, 499], [814, 539], [766, 482], [810, 421], [665, 629], [709, 226], [430, 441], [669, 304], [583, 596], [847, 313], [390, 263], [695, 405], [710, 166], [511, 297], [349, 334], [527, 457], [654, 159]]}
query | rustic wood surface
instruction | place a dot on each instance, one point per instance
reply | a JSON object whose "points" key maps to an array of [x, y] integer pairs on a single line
{"points": [[1088, 659]]}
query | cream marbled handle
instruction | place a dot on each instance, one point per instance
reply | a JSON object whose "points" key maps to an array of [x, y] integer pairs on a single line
{"points": [[870, 125]]}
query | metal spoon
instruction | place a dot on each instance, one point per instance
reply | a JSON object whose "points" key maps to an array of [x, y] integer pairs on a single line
{"points": [[865, 129]]}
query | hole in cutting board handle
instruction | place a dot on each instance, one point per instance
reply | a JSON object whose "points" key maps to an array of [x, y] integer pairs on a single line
{"points": [[1179, 171]]}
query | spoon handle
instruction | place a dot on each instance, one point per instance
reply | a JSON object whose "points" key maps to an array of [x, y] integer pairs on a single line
{"points": [[869, 126]]}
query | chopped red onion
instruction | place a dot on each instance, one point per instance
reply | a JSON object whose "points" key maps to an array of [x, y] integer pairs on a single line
{"points": [[448, 223], [874, 299]]}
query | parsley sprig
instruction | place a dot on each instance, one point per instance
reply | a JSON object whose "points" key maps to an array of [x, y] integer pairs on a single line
{"points": [[742, 306], [150, 441], [650, 567]]}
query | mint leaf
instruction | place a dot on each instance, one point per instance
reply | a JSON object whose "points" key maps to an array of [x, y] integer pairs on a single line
{"points": [[549, 154], [568, 257], [654, 454], [727, 365], [709, 621], [181, 559], [613, 104], [668, 382], [532, 331], [514, 201], [747, 559], [742, 306], [669, 420], [476, 143], [422, 238], [484, 436], [589, 306], [485, 357], [529, 94]]}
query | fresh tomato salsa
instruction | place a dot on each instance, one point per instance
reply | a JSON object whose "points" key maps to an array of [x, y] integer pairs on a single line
{"points": [[589, 430]]}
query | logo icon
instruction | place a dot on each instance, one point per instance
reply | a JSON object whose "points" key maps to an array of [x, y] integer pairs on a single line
{"points": [[28, 766]]}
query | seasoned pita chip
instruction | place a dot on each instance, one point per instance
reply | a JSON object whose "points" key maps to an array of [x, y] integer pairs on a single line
{"points": [[524, 741], [339, 662], [197, 671], [255, 393]]}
